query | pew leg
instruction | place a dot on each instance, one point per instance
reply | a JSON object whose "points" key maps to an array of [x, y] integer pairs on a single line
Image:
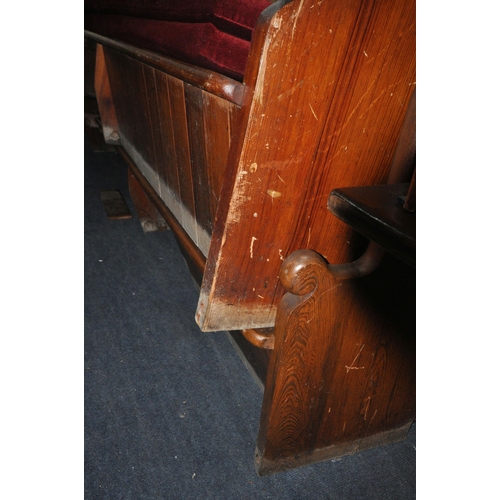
{"points": [[109, 121], [148, 214], [341, 377]]}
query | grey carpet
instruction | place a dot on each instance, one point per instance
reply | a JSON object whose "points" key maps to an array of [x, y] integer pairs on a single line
{"points": [[171, 412]]}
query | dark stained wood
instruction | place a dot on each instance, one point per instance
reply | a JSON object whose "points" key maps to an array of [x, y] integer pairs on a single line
{"points": [[152, 109], [124, 90], [309, 124], [195, 111], [184, 240], [104, 98], [218, 116], [89, 67], [335, 387], [148, 214], [264, 337], [411, 196], [208, 124], [182, 144], [168, 162], [377, 212], [154, 118], [215, 83], [146, 146], [178, 135]]}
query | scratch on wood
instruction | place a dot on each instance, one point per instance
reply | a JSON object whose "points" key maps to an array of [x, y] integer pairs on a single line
{"points": [[360, 100], [254, 239], [367, 406], [289, 92], [354, 361], [378, 97], [259, 86], [329, 290], [312, 111], [277, 22], [296, 17], [371, 420], [239, 198], [273, 194]]}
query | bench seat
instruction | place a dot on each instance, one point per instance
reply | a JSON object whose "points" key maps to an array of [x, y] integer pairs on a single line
{"points": [[214, 35]]}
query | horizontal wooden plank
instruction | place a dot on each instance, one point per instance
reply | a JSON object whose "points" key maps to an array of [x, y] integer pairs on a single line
{"points": [[377, 213], [210, 81]]}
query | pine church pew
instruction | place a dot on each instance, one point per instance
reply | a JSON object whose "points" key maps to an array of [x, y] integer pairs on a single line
{"points": [[237, 120]]}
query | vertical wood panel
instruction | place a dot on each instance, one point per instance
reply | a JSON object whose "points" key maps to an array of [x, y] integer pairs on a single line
{"points": [[217, 140], [133, 91], [124, 95], [104, 98], [167, 168], [131, 81], [151, 111], [181, 138], [145, 146], [195, 107], [149, 105]]}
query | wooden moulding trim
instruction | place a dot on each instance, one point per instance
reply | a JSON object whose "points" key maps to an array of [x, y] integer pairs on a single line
{"points": [[193, 251], [210, 81], [262, 337]]}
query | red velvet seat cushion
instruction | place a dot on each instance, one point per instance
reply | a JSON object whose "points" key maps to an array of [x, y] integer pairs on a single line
{"points": [[237, 17], [201, 44], [214, 34]]}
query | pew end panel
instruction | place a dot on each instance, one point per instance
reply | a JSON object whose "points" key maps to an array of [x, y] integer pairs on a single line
{"points": [[310, 124]]}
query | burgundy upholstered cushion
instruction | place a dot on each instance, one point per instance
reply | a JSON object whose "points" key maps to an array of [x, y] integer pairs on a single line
{"points": [[237, 17], [201, 44], [214, 34]]}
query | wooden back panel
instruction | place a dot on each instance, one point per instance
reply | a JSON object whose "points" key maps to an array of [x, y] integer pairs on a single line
{"points": [[328, 85], [177, 134]]}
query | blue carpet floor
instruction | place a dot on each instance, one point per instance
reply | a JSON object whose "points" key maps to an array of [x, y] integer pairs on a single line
{"points": [[172, 412]]}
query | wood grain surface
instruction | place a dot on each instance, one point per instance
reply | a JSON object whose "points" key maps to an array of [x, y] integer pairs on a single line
{"points": [[337, 384], [328, 85], [178, 135]]}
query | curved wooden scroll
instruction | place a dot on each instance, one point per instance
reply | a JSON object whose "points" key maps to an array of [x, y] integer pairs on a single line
{"points": [[263, 337], [338, 381]]}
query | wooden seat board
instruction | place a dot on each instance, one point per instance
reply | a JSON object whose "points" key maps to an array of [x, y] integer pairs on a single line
{"points": [[377, 213]]}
